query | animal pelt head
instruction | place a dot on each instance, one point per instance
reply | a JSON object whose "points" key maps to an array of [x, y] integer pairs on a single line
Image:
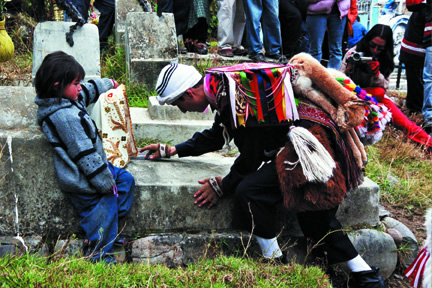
{"points": [[302, 195], [350, 110]]}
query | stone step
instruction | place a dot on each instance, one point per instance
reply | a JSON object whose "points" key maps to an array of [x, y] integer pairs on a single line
{"points": [[32, 204], [164, 192]]}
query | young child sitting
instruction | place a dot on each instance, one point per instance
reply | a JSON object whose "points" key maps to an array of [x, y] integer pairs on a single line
{"points": [[99, 191]]}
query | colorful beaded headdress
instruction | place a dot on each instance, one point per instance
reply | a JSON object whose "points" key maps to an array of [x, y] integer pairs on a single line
{"points": [[259, 90]]}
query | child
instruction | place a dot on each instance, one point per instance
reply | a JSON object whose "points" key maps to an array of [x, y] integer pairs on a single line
{"points": [[99, 191]]}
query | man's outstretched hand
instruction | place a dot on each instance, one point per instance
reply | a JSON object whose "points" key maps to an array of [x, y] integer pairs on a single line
{"points": [[159, 150]]}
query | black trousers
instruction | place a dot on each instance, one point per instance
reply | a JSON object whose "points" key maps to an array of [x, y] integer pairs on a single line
{"points": [[256, 200], [180, 8], [290, 19], [414, 98], [107, 17]]}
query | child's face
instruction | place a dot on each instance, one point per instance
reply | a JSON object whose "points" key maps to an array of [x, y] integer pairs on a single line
{"points": [[72, 90]]}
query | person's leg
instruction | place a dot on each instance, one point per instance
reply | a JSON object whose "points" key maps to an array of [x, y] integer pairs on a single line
{"points": [[165, 6], [335, 29], [225, 14], [271, 27], [316, 26], [290, 22], [414, 98], [125, 187], [253, 10], [239, 23], [82, 7], [323, 225], [106, 20], [99, 221], [324, 230], [411, 129], [256, 200], [257, 197], [181, 10], [427, 101]]}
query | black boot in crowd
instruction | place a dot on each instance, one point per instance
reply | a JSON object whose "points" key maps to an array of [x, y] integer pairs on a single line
{"points": [[366, 279]]}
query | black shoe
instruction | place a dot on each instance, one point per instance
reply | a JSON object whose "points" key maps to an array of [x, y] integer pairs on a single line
{"points": [[366, 279], [279, 57], [427, 127], [257, 57]]}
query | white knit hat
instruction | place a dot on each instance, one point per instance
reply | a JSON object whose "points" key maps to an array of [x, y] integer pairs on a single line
{"points": [[174, 80]]}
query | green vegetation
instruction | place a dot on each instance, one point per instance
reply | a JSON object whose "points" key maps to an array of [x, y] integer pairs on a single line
{"points": [[402, 171], [223, 271]]}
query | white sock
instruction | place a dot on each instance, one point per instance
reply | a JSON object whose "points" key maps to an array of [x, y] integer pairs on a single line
{"points": [[269, 247], [358, 264]]}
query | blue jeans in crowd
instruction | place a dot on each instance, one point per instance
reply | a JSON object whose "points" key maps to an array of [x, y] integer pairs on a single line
{"points": [[266, 12], [427, 77], [100, 214], [317, 25]]}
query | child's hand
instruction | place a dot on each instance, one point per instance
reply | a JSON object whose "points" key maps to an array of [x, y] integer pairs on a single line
{"points": [[115, 84]]}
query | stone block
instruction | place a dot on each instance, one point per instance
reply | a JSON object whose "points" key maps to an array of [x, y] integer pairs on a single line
{"points": [[409, 245], [377, 249], [10, 245], [33, 204], [169, 112], [151, 43], [169, 131], [122, 8], [73, 248], [50, 36], [360, 206]]}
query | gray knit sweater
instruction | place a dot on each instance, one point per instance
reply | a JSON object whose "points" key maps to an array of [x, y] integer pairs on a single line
{"points": [[79, 159]]}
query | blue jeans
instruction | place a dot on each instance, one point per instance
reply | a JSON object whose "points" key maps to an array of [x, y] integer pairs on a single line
{"points": [[100, 213], [427, 77], [317, 25], [266, 12]]}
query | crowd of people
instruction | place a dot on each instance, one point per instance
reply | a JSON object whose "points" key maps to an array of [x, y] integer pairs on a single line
{"points": [[103, 193]]}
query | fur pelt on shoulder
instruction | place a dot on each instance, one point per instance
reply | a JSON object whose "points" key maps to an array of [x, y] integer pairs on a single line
{"points": [[298, 193], [319, 85], [347, 111]]}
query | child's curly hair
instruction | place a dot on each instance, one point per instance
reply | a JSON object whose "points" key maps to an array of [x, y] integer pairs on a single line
{"points": [[57, 70]]}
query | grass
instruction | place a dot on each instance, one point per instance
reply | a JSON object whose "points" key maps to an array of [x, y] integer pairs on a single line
{"points": [[222, 271], [402, 171]]}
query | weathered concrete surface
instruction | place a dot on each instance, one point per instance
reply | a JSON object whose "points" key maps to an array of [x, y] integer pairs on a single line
{"points": [[32, 204], [168, 131], [151, 43], [170, 112], [163, 199], [122, 8], [50, 36], [11, 245]]}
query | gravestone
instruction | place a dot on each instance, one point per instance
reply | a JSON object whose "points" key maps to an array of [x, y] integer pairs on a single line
{"points": [[50, 36], [122, 8], [151, 43]]}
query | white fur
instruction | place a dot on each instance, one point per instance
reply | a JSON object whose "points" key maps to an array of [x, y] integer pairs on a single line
{"points": [[427, 276]]}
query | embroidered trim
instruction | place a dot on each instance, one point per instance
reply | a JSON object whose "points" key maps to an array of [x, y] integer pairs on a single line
{"points": [[214, 184]]}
